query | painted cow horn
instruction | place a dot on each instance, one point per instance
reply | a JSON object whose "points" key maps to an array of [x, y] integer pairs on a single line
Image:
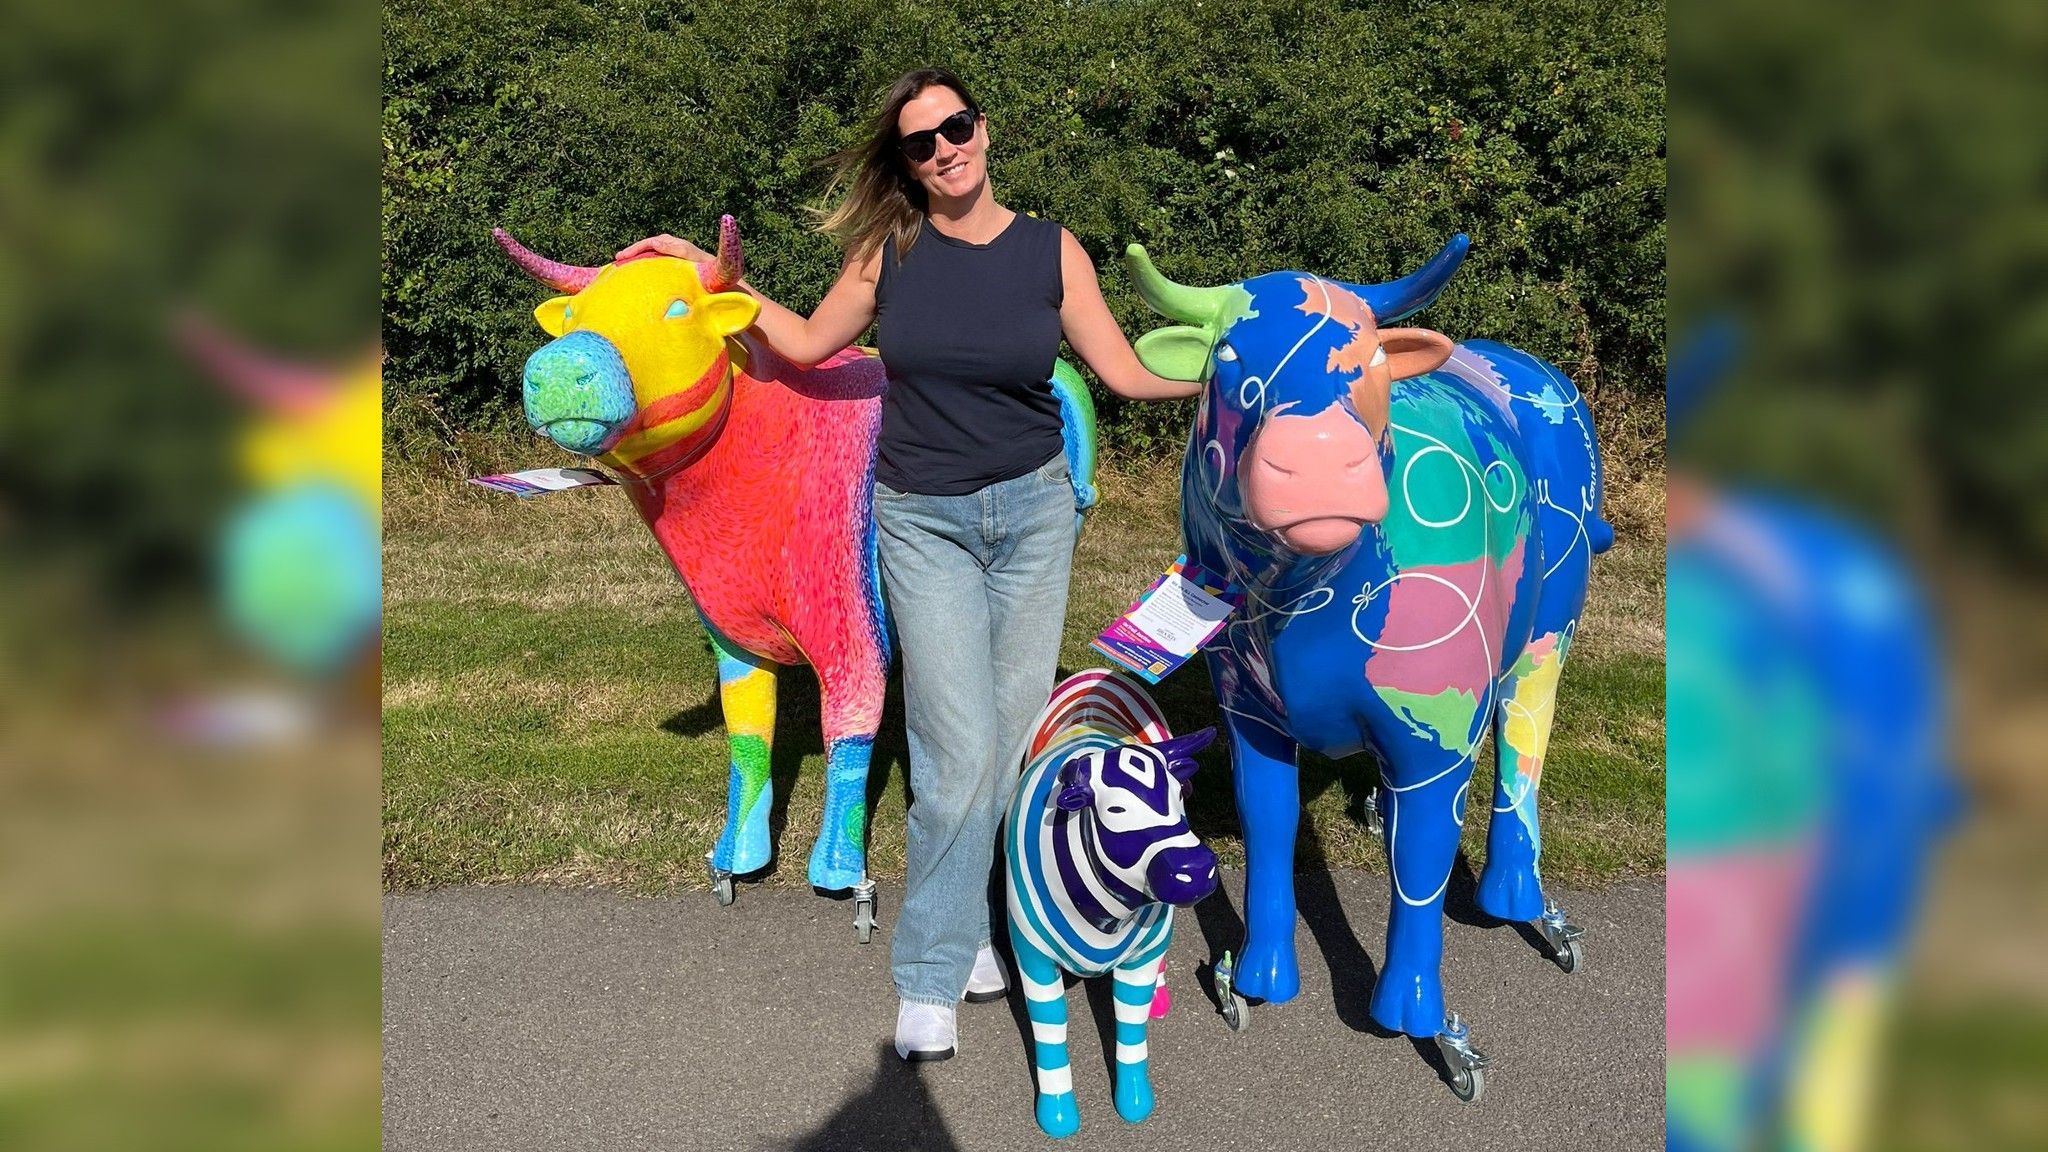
{"points": [[270, 383], [560, 277], [1396, 300], [723, 274], [1189, 305]]}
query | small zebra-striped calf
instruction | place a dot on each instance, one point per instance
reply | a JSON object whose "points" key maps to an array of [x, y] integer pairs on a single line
{"points": [[1098, 854]]}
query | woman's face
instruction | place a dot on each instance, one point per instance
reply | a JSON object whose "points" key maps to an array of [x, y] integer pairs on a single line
{"points": [[955, 170]]}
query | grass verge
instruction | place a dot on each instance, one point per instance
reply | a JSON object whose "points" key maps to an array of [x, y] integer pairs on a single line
{"points": [[551, 710]]}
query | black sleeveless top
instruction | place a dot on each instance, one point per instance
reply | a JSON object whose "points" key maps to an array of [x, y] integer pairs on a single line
{"points": [[968, 333]]}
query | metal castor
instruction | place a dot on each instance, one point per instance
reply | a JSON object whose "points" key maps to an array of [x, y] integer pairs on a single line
{"points": [[864, 910], [1563, 938], [1237, 1011], [1467, 1065], [1375, 820], [721, 882]]}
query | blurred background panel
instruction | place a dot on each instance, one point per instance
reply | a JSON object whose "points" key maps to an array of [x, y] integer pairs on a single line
{"points": [[1859, 317], [188, 839]]}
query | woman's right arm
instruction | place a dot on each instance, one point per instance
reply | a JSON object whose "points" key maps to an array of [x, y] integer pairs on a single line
{"points": [[845, 312]]}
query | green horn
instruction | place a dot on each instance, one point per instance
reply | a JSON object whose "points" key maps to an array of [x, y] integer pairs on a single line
{"points": [[1189, 305]]}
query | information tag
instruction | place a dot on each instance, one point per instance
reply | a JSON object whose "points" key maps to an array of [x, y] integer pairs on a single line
{"points": [[535, 481], [1166, 626]]}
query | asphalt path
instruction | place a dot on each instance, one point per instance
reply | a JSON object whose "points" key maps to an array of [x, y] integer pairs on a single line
{"points": [[549, 1019]]}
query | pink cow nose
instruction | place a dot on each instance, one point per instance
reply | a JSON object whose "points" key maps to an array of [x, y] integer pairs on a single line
{"points": [[1313, 481]]}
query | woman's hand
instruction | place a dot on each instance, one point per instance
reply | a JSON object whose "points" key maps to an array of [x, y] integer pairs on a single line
{"points": [[665, 245], [1088, 326]]}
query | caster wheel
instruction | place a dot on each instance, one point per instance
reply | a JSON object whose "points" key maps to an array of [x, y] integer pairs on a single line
{"points": [[1237, 1012], [864, 912], [1468, 1084], [1571, 957], [721, 882]]}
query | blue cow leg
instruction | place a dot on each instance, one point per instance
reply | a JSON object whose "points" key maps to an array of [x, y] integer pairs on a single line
{"points": [[839, 858], [1045, 999], [1423, 824], [1134, 982], [1269, 807], [1511, 887]]}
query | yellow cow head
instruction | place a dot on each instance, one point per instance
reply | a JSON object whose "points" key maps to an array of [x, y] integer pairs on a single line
{"points": [[641, 360]]}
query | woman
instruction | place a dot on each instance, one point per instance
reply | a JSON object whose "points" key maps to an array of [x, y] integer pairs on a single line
{"points": [[972, 497]]}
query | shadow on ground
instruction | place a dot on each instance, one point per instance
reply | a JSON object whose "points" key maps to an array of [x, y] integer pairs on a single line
{"points": [[894, 1111]]}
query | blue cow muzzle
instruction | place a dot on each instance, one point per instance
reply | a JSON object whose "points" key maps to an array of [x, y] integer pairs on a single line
{"points": [[1182, 875], [578, 393]]}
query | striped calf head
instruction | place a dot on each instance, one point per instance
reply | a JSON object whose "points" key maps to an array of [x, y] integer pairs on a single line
{"points": [[1132, 801]]}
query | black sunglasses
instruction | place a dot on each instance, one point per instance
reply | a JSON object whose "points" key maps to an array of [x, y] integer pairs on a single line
{"points": [[958, 129]]}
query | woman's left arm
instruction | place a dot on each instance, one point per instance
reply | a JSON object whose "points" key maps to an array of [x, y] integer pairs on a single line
{"points": [[1085, 319]]}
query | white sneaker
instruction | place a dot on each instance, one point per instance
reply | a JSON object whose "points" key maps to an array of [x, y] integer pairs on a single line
{"points": [[925, 1031], [987, 981]]}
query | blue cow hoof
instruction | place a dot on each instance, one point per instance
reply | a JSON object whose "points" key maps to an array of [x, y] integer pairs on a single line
{"points": [[1511, 894], [752, 849], [835, 878], [1134, 1096], [1411, 1003], [1058, 1115], [1269, 973]]}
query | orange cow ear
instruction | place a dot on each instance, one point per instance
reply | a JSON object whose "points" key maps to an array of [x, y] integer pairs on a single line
{"points": [[1413, 351]]}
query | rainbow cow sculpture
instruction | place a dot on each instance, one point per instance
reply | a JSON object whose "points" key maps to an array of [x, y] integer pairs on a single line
{"points": [[301, 564], [756, 475], [1097, 854], [1414, 523]]}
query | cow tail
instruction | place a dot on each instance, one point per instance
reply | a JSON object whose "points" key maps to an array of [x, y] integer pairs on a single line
{"points": [[1599, 535]]}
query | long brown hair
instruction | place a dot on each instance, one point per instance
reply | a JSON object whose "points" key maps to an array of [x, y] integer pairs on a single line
{"points": [[877, 196]]}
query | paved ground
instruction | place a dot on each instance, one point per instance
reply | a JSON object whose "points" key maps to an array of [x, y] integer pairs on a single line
{"points": [[519, 1018]]}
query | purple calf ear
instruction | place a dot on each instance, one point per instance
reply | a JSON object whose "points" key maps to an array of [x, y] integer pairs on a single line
{"points": [[1075, 792]]}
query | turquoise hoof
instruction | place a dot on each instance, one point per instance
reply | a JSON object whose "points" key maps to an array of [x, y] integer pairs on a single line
{"points": [[836, 879], [1134, 1096], [744, 846], [750, 853], [834, 876], [1058, 1115]]}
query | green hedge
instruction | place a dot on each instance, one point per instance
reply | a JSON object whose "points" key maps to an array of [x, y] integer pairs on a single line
{"points": [[1230, 138]]}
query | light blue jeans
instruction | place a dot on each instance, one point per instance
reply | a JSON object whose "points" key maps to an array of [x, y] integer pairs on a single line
{"points": [[977, 588]]}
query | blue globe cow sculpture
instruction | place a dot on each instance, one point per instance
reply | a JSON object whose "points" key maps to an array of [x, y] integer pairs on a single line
{"points": [[1097, 854], [1810, 788], [1413, 522]]}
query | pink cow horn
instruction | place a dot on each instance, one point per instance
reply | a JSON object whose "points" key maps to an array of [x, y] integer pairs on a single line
{"points": [[722, 274], [271, 384], [560, 277]]}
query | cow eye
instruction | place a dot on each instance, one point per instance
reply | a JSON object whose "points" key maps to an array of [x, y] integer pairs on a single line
{"points": [[1226, 353], [676, 309], [1115, 810]]}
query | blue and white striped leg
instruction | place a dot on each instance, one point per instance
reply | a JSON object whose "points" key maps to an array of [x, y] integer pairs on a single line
{"points": [[1045, 998], [1135, 981]]}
